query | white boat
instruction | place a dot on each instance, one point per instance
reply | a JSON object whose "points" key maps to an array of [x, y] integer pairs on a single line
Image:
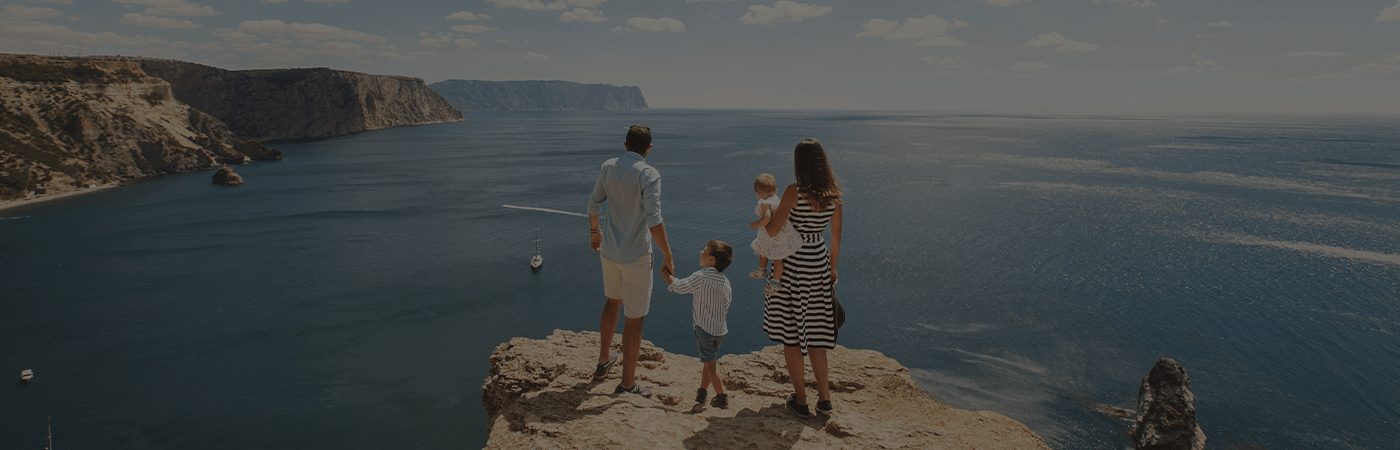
{"points": [[26, 375], [537, 261]]}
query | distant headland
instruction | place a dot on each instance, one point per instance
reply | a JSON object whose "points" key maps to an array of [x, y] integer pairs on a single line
{"points": [[477, 95]]}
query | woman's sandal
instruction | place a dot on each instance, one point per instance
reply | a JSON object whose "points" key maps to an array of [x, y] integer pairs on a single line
{"points": [[801, 410]]}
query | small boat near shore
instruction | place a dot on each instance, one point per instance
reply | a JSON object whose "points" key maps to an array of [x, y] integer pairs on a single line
{"points": [[25, 376], [537, 261]]}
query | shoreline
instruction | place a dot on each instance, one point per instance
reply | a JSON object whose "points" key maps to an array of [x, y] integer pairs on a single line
{"points": [[6, 205]]}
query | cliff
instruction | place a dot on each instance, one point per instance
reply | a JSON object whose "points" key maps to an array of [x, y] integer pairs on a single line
{"points": [[476, 95], [539, 394], [280, 104], [68, 124]]}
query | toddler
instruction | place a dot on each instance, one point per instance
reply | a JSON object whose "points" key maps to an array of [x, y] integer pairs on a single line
{"points": [[710, 295], [771, 248]]}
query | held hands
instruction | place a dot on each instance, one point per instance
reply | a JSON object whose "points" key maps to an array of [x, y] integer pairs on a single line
{"points": [[668, 268]]}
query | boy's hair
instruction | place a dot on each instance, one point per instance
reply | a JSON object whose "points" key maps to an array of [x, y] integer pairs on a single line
{"points": [[765, 183], [638, 139], [722, 252]]}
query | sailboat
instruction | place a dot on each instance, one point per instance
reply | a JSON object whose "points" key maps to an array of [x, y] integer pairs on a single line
{"points": [[26, 375], [48, 441], [537, 261]]}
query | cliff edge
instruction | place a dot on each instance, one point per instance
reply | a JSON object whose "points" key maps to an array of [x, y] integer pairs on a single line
{"points": [[540, 394], [282, 104]]}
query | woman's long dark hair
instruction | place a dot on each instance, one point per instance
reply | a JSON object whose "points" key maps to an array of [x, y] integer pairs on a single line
{"points": [[815, 180]]}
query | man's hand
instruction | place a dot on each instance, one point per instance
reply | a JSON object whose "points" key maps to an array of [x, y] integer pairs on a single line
{"points": [[668, 267], [668, 278], [595, 240]]}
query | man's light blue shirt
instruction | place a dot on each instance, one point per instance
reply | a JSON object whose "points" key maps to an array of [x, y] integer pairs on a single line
{"points": [[632, 190]]}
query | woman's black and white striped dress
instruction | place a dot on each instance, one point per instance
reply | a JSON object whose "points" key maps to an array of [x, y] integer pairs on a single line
{"points": [[803, 312]]}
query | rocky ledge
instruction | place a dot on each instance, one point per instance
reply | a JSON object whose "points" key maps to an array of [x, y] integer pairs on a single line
{"points": [[540, 394]]}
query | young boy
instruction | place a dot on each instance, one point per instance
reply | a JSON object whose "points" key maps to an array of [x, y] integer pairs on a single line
{"points": [[710, 300]]}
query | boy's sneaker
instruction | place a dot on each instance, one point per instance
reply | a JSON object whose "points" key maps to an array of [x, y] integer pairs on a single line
{"points": [[824, 407], [757, 274], [700, 395], [801, 410], [638, 389], [721, 401]]}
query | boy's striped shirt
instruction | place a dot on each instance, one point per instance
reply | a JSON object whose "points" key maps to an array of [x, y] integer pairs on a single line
{"points": [[712, 295]]}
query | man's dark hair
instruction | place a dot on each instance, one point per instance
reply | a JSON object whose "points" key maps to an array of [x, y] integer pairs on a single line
{"points": [[722, 252], [638, 139]]}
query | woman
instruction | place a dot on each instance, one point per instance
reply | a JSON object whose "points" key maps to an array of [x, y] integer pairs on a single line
{"points": [[801, 315]]}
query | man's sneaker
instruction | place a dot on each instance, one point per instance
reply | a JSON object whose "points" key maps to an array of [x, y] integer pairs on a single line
{"points": [[603, 368], [638, 389], [700, 395], [824, 407], [757, 274], [801, 410], [721, 401]]}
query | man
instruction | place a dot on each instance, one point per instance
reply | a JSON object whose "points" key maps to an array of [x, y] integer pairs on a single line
{"points": [[632, 190]]}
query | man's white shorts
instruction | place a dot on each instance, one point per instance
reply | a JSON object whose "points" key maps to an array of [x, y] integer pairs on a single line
{"points": [[631, 283]]}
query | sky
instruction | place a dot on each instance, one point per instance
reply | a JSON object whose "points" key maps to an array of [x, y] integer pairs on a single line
{"points": [[1090, 56]]}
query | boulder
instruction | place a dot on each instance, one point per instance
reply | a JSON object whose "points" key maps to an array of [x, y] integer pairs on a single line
{"points": [[227, 177], [540, 394], [1166, 407]]}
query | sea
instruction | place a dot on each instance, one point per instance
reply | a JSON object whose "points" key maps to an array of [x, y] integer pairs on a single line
{"points": [[1032, 265]]}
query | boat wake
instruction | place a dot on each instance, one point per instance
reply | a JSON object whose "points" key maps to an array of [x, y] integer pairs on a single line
{"points": [[544, 210], [13, 218]]}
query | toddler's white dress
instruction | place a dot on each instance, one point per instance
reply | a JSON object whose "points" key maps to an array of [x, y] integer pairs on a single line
{"points": [[777, 247]]}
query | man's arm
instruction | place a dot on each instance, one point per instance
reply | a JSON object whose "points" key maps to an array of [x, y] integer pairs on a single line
{"points": [[651, 210], [595, 208]]}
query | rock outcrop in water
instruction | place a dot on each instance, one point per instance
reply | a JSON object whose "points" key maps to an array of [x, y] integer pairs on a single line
{"points": [[477, 95], [1167, 410], [225, 176], [540, 394], [281, 104], [68, 124]]}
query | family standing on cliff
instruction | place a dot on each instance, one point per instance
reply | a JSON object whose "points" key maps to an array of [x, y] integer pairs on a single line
{"points": [[800, 309]]}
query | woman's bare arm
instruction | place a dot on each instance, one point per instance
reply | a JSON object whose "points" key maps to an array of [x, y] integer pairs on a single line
{"points": [[835, 239], [780, 217]]}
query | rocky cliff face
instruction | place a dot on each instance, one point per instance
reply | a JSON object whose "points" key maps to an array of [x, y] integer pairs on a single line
{"points": [[476, 95], [68, 124], [540, 394], [281, 104]]}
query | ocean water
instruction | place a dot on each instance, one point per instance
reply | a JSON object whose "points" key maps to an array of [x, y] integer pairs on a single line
{"points": [[348, 296]]}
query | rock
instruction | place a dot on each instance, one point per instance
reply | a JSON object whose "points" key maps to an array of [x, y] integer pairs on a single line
{"points": [[282, 104], [227, 177], [477, 95], [1167, 411], [69, 123], [540, 394]]}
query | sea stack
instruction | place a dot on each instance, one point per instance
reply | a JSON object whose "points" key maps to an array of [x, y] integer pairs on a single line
{"points": [[540, 394], [225, 176], [1167, 411]]}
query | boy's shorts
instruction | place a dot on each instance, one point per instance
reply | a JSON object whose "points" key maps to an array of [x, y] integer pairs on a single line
{"points": [[708, 344]]}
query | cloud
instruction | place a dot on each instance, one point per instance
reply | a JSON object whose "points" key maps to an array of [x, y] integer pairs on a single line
{"points": [[167, 23], [652, 25], [782, 11], [1128, 3], [306, 31], [445, 40], [536, 56], [1317, 53], [1005, 3], [927, 31], [1391, 14], [1022, 65], [947, 62], [1220, 24], [1162, 25], [1389, 66], [582, 15], [467, 15], [1198, 64], [471, 28], [40, 37], [22, 12], [172, 8], [1060, 43], [328, 2], [541, 5], [55, 2]]}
